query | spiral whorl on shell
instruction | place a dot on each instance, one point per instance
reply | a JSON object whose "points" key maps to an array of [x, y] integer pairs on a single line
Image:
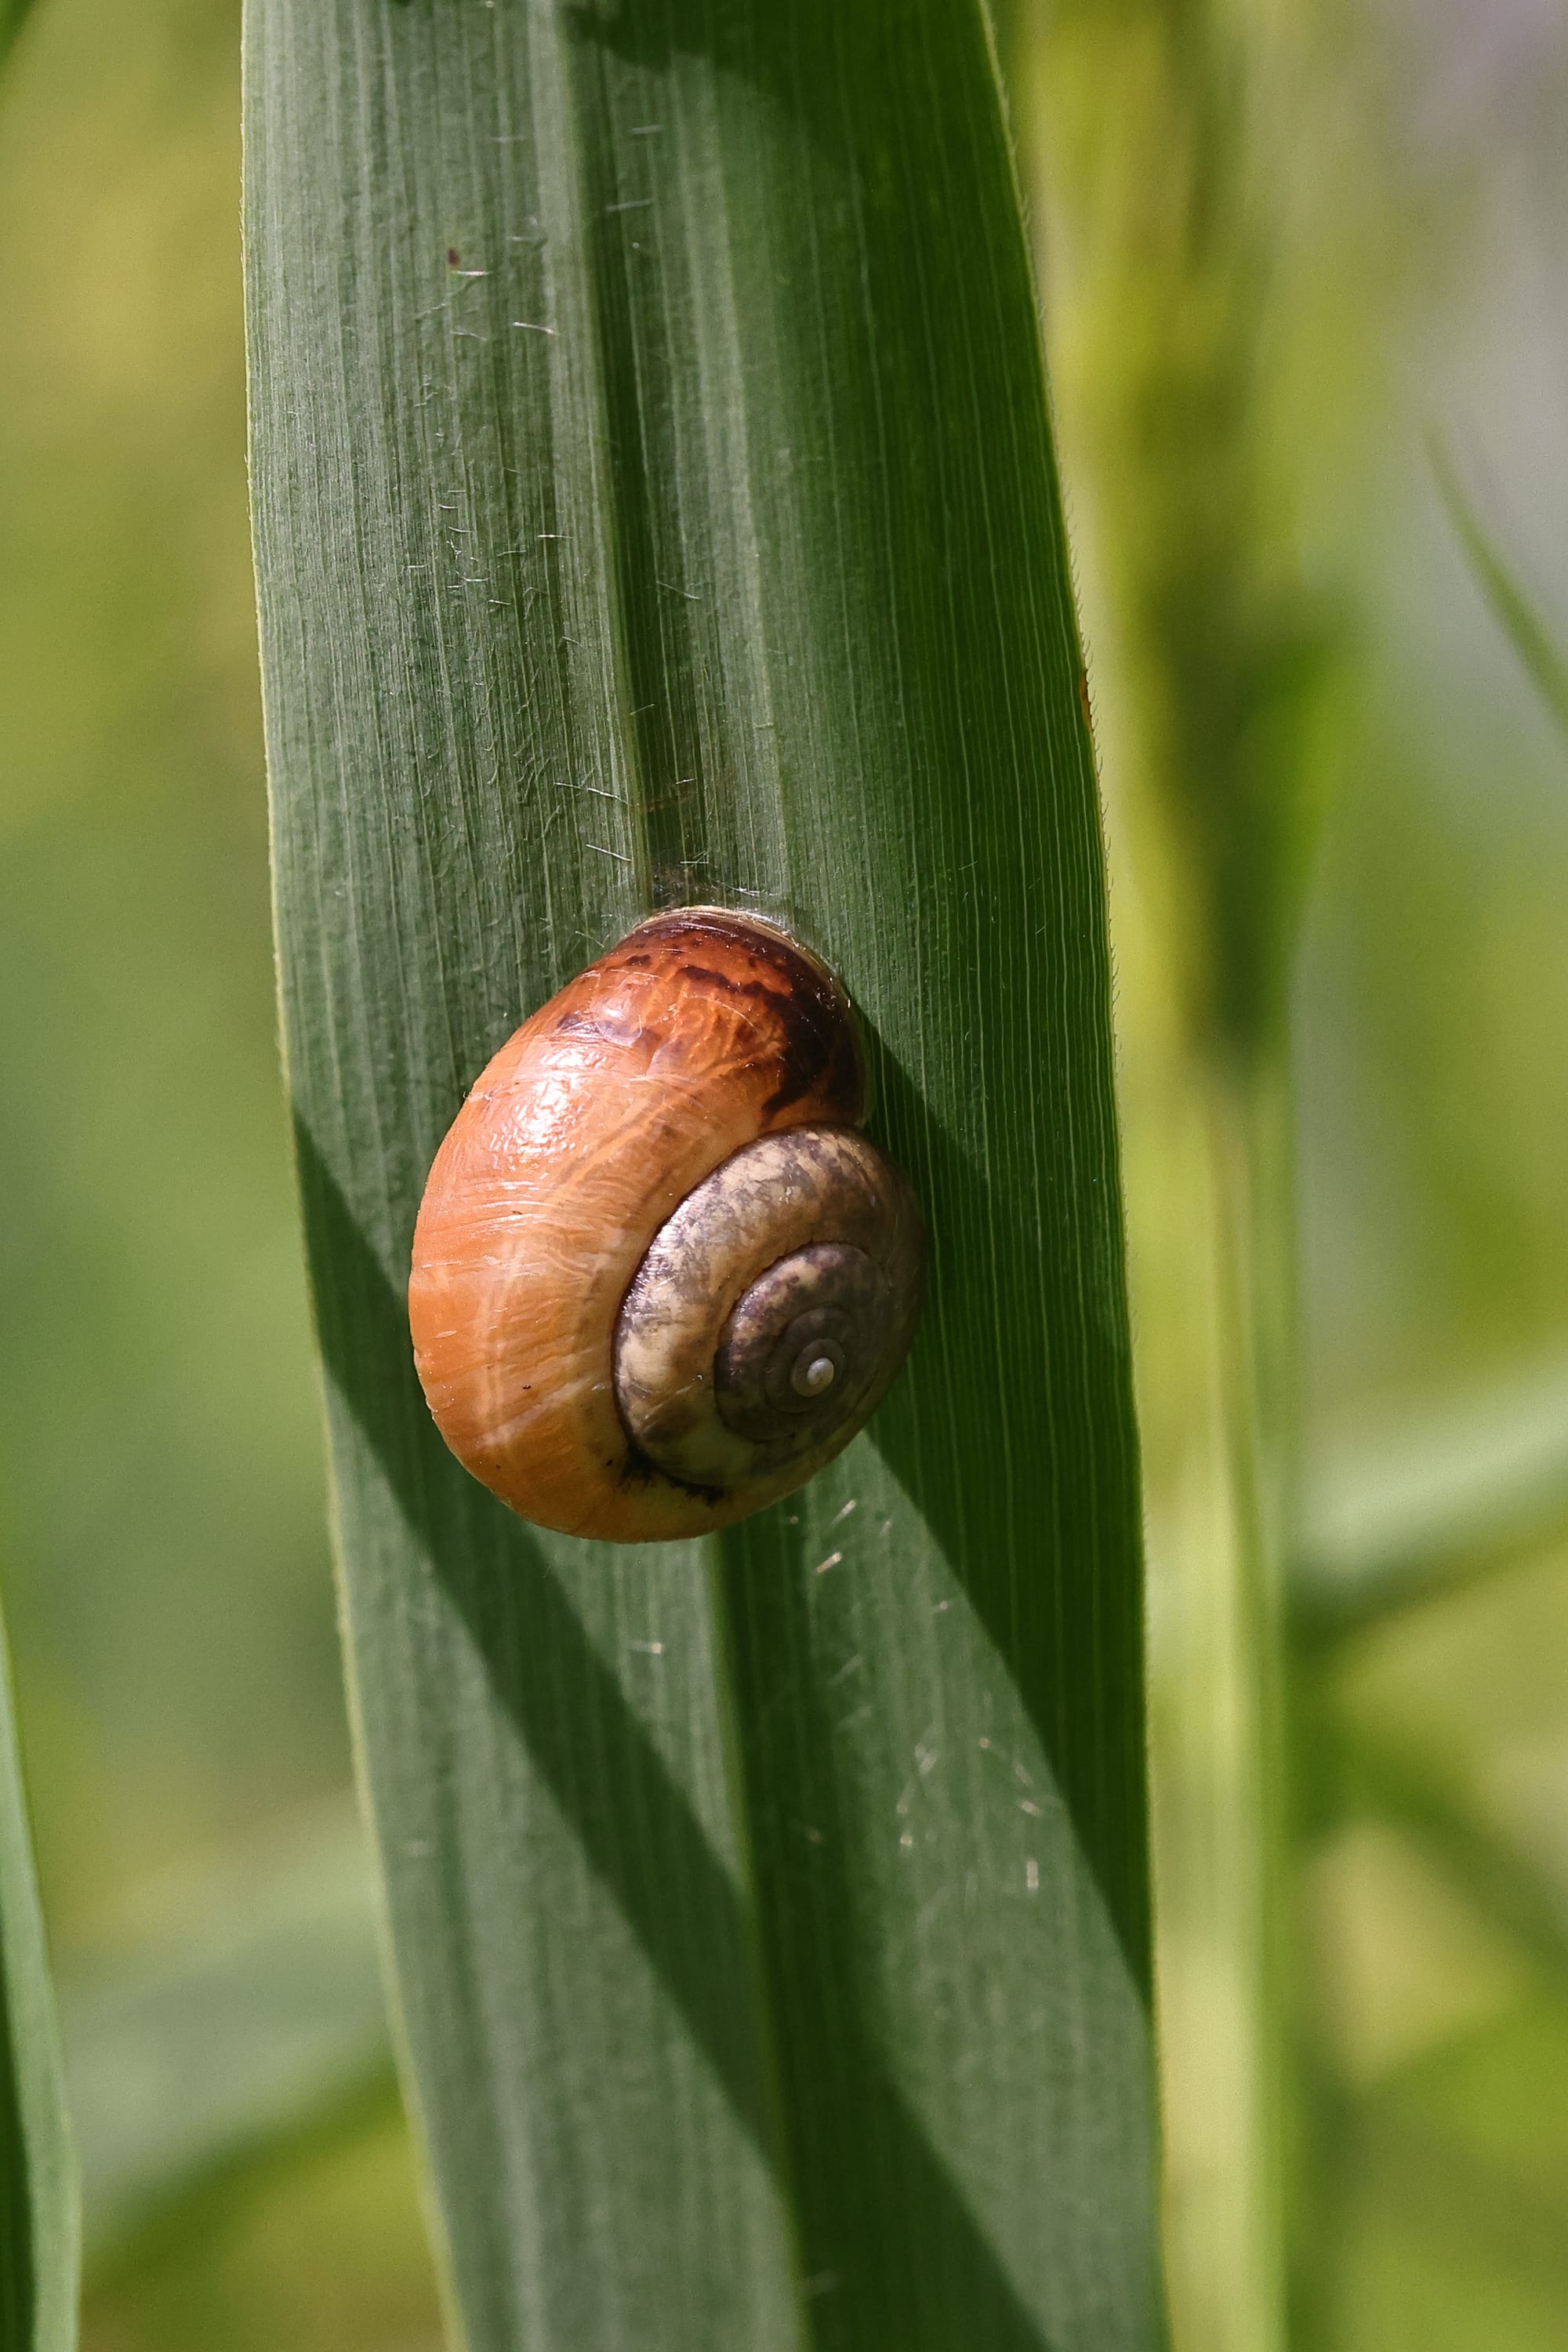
{"points": [[660, 1277]]}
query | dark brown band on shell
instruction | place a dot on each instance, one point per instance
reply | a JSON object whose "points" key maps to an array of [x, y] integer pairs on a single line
{"points": [[800, 1008]]}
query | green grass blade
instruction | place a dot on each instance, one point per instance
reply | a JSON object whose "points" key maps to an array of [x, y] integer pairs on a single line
{"points": [[1408, 1511], [654, 501], [254, 2011], [40, 2228], [1516, 615], [1165, 244], [12, 13], [1421, 1796]]}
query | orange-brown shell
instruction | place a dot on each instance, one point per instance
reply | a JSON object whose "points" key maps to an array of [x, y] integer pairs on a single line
{"points": [[700, 1032]]}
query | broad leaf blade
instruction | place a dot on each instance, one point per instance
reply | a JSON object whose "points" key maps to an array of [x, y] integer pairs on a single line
{"points": [[654, 502], [39, 2228]]}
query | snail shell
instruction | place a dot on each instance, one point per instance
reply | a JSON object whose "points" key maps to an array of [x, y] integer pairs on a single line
{"points": [[660, 1277]]}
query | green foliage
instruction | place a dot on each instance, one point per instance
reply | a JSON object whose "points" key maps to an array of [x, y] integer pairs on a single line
{"points": [[170, 1625], [251, 2019], [1410, 1510], [1161, 266], [12, 13], [40, 2228], [1210, 660], [654, 501], [318, 2246], [1531, 641]]}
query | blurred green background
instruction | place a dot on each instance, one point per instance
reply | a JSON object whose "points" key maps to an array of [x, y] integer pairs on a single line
{"points": [[1381, 269]]}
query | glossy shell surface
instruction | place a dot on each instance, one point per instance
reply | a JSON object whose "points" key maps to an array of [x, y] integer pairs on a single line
{"points": [[698, 1037]]}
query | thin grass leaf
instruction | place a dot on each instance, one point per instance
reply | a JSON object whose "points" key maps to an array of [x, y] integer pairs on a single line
{"points": [[39, 2228], [1407, 1513], [1164, 229], [1478, 2226], [1521, 623], [253, 2012], [200, 2205], [654, 502], [12, 14], [1510, 1887]]}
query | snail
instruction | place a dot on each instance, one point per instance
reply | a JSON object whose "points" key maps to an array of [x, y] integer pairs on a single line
{"points": [[660, 1277]]}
